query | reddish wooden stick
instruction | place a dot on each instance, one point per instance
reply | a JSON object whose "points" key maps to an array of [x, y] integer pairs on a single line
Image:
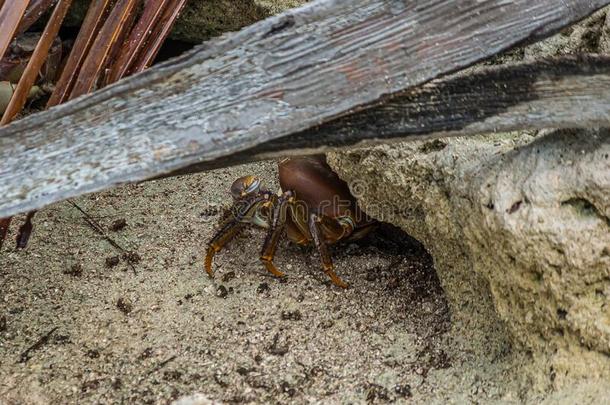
{"points": [[158, 36], [34, 11], [10, 15], [36, 61], [96, 15], [109, 33]]}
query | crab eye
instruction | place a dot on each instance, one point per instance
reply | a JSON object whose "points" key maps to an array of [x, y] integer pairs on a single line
{"points": [[244, 186]]}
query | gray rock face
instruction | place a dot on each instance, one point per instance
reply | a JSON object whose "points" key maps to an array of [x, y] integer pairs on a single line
{"points": [[518, 225], [524, 220]]}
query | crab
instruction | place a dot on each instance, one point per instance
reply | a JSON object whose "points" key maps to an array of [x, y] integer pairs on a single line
{"points": [[314, 206]]}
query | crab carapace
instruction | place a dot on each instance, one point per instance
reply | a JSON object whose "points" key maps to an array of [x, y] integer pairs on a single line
{"points": [[314, 206]]}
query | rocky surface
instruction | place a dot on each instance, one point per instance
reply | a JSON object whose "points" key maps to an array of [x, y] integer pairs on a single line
{"points": [[520, 222], [518, 225]]}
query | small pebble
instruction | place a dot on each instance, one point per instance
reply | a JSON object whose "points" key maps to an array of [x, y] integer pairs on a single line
{"points": [[221, 292], [76, 270], [131, 257], [262, 288], [292, 315], [118, 225], [112, 261], [125, 305], [403, 390]]}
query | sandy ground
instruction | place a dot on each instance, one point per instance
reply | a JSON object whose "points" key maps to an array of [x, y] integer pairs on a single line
{"points": [[82, 321]]}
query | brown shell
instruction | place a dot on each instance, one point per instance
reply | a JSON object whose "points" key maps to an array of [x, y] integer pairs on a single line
{"points": [[315, 184]]}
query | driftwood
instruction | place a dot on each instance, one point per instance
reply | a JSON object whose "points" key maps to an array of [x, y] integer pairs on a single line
{"points": [[566, 92], [278, 77]]}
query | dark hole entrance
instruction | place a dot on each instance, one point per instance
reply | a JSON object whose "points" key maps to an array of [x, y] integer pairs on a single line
{"points": [[392, 240], [410, 273]]}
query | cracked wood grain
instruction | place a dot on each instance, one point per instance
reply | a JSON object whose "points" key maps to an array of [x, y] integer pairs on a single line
{"points": [[275, 78], [566, 92]]}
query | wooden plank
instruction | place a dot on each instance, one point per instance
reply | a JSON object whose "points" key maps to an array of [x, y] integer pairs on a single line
{"points": [[566, 92], [111, 31], [274, 78]]}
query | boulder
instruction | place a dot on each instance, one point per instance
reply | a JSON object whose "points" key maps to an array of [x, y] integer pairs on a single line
{"points": [[518, 225]]}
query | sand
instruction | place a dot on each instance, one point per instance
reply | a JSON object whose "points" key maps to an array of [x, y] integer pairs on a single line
{"points": [[83, 321]]}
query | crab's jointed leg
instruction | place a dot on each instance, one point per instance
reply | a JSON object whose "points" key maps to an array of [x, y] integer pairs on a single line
{"points": [[227, 232], [222, 237], [327, 263], [274, 232]]}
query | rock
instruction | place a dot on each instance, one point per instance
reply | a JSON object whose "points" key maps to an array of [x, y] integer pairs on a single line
{"points": [[195, 399], [518, 225], [202, 20], [585, 37], [527, 215]]}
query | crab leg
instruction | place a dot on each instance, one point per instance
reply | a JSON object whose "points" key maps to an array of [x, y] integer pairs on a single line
{"points": [[327, 263], [227, 232], [222, 237], [274, 233]]}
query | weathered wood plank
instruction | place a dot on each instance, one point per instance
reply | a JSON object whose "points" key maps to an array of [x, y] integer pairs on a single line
{"points": [[566, 92], [272, 79]]}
